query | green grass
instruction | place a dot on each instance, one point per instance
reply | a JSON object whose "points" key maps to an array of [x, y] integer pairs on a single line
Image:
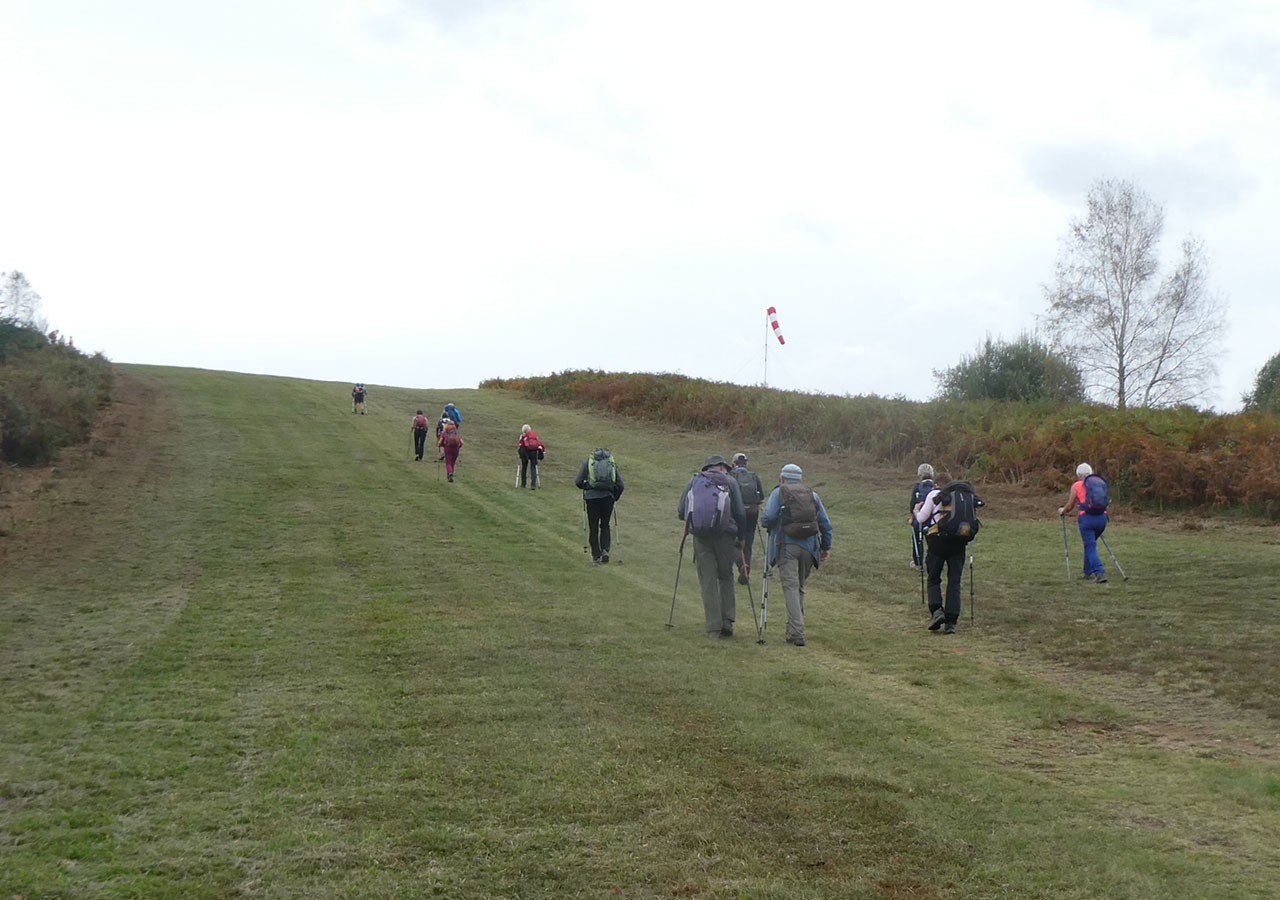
{"points": [[286, 660]]}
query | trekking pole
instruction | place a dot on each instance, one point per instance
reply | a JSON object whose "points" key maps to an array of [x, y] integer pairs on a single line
{"points": [[742, 558], [764, 603], [1066, 556], [922, 599], [517, 484], [586, 546], [613, 538], [1123, 577], [970, 588], [679, 563]]}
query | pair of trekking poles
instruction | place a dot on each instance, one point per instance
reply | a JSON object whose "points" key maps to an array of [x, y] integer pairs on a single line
{"points": [[1066, 553], [761, 620], [917, 541]]}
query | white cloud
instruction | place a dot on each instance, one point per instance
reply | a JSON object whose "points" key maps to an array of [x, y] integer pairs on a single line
{"points": [[236, 185]]}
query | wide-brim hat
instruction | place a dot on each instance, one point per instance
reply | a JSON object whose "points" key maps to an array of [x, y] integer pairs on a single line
{"points": [[716, 460]]}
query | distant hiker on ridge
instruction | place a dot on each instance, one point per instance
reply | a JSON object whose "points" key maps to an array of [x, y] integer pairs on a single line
{"points": [[419, 427], [357, 399], [450, 447], [531, 449]]}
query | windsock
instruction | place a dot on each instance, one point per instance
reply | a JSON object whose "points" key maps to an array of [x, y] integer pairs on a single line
{"points": [[773, 320]]}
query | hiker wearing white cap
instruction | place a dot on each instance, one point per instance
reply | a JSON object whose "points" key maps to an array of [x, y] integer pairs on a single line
{"points": [[799, 539]]}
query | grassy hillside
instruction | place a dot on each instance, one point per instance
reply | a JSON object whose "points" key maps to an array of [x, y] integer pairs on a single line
{"points": [[252, 649]]}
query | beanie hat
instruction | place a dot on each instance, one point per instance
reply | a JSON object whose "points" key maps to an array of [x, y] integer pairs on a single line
{"points": [[1084, 470], [791, 472]]}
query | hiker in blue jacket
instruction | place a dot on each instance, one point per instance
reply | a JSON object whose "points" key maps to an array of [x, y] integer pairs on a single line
{"points": [[798, 542]]}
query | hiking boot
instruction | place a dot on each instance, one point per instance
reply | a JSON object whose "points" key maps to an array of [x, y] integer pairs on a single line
{"points": [[935, 621], [1100, 579], [726, 631], [604, 556], [949, 629], [451, 476], [595, 560], [795, 641]]}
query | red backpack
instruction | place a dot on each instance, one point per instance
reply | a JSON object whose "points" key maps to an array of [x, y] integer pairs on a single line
{"points": [[420, 422]]}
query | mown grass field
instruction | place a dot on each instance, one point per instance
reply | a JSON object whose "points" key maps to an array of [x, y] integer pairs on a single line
{"points": [[250, 648]]}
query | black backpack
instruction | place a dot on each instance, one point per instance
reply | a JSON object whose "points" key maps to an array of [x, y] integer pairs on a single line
{"points": [[958, 505], [749, 486]]}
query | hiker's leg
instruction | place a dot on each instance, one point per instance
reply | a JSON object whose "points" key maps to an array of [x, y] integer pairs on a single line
{"points": [[606, 536], [708, 567], [1089, 532], [726, 555], [792, 571], [524, 467], [593, 526], [533, 471], [934, 561], [749, 538], [955, 578]]}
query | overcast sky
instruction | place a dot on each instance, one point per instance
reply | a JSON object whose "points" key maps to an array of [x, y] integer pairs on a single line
{"points": [[428, 193]]}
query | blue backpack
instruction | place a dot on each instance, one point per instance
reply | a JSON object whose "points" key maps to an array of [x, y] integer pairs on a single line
{"points": [[1096, 499], [708, 505]]}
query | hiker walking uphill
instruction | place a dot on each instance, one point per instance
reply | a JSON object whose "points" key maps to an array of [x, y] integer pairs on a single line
{"points": [[419, 427], [921, 489], [799, 540], [600, 481], [451, 413], [712, 510], [357, 399], [531, 449], [752, 497], [450, 446], [1089, 496], [949, 516]]}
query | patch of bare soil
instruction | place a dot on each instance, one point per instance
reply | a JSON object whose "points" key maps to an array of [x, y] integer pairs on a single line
{"points": [[45, 509]]}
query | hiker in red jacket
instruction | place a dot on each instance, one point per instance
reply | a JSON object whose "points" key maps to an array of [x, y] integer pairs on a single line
{"points": [[531, 449], [450, 446]]}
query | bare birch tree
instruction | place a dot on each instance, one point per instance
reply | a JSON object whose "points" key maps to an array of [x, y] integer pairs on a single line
{"points": [[19, 301], [1139, 339]]}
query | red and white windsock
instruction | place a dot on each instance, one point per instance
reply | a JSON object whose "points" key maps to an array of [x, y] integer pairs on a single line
{"points": [[773, 320]]}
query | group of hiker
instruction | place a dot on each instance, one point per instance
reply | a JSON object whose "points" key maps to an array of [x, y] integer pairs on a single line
{"points": [[944, 520], [720, 507], [448, 440], [725, 505]]}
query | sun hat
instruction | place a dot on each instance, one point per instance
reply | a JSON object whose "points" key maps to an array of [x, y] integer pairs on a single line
{"points": [[716, 460]]}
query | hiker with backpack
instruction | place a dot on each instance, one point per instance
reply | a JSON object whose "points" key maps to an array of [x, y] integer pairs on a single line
{"points": [[921, 489], [950, 520], [450, 446], [419, 428], [712, 511], [451, 413], [799, 540], [357, 399], [531, 449], [601, 484], [1090, 496], [752, 497]]}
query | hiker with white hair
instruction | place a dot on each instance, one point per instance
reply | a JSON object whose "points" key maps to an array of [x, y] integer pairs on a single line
{"points": [[921, 489], [799, 540], [1090, 496]]}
